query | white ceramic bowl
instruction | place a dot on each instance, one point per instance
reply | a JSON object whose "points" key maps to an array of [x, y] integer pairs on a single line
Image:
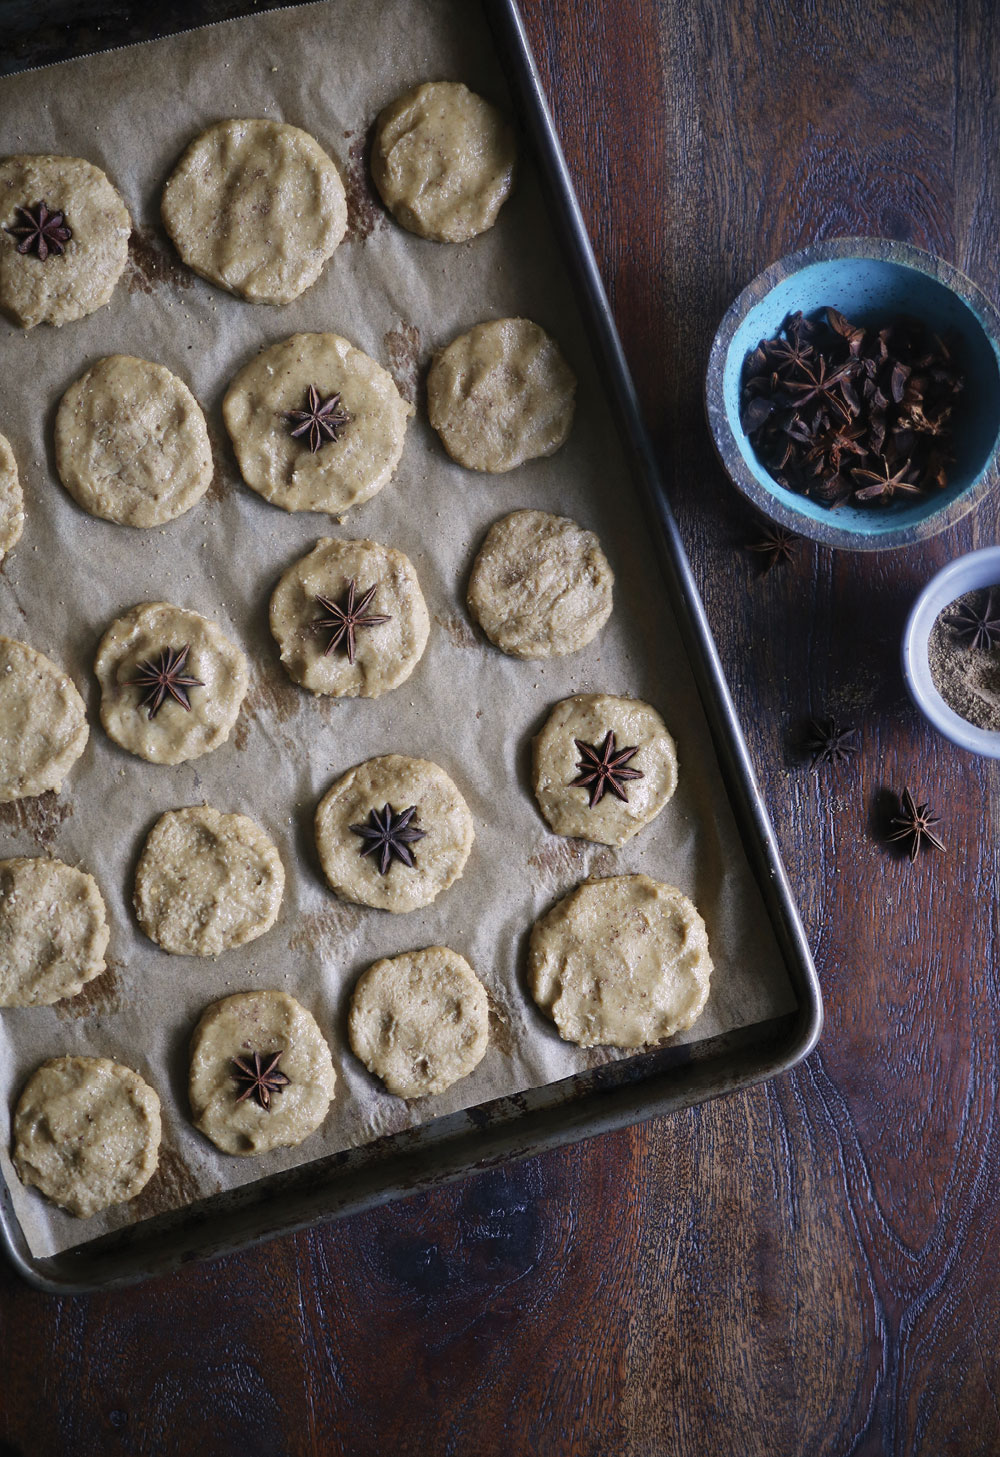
{"points": [[969, 573]]}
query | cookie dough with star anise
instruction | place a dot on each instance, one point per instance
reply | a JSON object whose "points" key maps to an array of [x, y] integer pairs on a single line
{"points": [[316, 424], [393, 833], [261, 1073], [603, 767], [171, 683], [64, 235], [350, 619]]}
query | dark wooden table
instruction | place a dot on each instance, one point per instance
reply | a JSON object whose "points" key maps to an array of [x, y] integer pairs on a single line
{"points": [[810, 1267]]}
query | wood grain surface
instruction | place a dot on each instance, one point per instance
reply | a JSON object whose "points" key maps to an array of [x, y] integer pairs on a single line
{"points": [[810, 1267]]}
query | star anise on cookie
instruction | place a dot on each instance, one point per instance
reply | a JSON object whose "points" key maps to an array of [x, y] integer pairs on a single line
{"points": [[158, 677], [40, 231], [344, 621], [259, 1077], [322, 420], [603, 768], [391, 835]]}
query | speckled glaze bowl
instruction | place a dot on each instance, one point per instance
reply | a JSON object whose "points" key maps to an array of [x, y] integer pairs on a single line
{"points": [[870, 280], [969, 573]]}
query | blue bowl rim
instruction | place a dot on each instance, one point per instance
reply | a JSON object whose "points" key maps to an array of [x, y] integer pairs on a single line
{"points": [[966, 573], [727, 447]]}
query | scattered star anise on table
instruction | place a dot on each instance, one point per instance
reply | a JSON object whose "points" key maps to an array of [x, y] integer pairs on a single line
{"points": [[322, 420], [158, 677], [604, 768], [829, 744], [41, 231], [915, 825], [775, 544], [344, 621], [259, 1078], [982, 628], [391, 835]]}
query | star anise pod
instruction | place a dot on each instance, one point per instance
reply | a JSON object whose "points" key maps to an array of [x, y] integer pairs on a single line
{"points": [[603, 768], [41, 231], [775, 544], [390, 834], [322, 420], [259, 1078], [982, 628], [344, 621], [915, 826], [158, 677], [829, 744], [880, 485]]}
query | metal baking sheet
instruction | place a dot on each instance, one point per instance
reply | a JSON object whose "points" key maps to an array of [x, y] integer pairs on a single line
{"points": [[594, 1098]]}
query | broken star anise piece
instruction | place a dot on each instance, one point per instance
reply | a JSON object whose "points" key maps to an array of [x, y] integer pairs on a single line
{"points": [[775, 544], [915, 826], [322, 420], [980, 627], [391, 835], [259, 1077], [344, 621], [829, 744], [604, 768], [158, 677], [41, 231]]}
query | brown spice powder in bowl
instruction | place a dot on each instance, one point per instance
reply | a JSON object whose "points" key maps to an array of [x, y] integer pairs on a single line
{"points": [[964, 663]]}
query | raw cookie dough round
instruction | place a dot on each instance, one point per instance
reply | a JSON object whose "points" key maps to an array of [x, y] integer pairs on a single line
{"points": [[342, 472], [419, 1021], [174, 734], [443, 161], [86, 1133], [556, 761], [53, 931], [43, 723], [540, 586], [206, 882], [441, 813], [500, 395], [131, 443], [385, 654], [620, 962], [82, 278], [236, 1027], [11, 499], [256, 207]]}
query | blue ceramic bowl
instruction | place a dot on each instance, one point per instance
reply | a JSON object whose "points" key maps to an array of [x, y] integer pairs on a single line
{"points": [[969, 573], [870, 280]]}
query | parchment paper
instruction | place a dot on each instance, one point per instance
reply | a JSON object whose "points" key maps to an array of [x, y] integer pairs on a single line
{"points": [[329, 68]]}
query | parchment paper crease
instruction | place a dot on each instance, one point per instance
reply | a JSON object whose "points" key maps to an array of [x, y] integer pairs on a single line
{"points": [[328, 68]]}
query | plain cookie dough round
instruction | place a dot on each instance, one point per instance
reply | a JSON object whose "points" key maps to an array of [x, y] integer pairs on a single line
{"points": [[443, 161], [207, 882], [419, 1021], [53, 931], [620, 962], [11, 499], [343, 472], [540, 586], [174, 734], [385, 654], [43, 723], [131, 443], [86, 1133], [82, 278], [589, 717], [256, 207], [500, 395], [266, 1022], [442, 814]]}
